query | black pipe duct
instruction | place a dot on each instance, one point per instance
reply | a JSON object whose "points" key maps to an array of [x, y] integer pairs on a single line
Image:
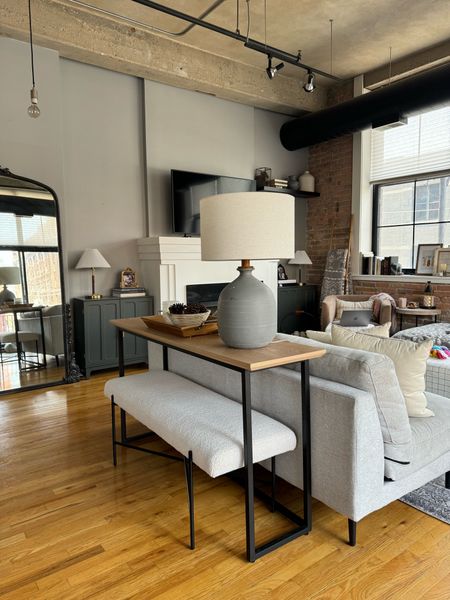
{"points": [[386, 105]]}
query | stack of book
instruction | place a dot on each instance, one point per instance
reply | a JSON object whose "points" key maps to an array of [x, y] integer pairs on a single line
{"points": [[128, 292], [286, 282], [279, 183]]}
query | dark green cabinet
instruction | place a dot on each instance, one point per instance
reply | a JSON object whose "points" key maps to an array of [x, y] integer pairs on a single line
{"points": [[95, 338], [297, 308]]}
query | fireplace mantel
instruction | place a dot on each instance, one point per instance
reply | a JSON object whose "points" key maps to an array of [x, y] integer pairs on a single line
{"points": [[169, 264]]}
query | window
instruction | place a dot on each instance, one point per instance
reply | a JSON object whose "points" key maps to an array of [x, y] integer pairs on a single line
{"points": [[411, 213], [410, 170]]}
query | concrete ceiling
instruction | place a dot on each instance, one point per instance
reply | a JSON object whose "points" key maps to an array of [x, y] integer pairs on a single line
{"points": [[363, 32], [120, 35]]}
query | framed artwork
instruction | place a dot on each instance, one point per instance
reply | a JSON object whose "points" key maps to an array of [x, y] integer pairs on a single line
{"points": [[425, 263], [128, 278], [442, 261]]}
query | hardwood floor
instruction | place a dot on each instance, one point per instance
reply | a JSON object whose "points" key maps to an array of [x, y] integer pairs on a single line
{"points": [[73, 527]]}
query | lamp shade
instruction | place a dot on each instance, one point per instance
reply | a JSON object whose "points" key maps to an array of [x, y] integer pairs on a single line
{"points": [[9, 275], [247, 225], [300, 258], [92, 259]]}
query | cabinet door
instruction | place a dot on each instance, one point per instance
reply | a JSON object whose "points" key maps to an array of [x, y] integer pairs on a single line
{"points": [[100, 335], [135, 349]]}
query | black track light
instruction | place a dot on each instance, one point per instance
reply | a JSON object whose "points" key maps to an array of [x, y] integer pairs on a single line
{"points": [[309, 85], [272, 71]]}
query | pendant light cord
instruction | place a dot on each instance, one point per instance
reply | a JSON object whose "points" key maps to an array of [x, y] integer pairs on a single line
{"points": [[31, 42], [331, 46]]}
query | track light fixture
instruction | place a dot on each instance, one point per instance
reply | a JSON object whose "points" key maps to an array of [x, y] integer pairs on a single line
{"points": [[272, 71], [309, 85]]}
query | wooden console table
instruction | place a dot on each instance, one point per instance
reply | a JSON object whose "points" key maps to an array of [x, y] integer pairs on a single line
{"points": [[278, 353]]}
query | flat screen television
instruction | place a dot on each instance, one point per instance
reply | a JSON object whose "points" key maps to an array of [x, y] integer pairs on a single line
{"points": [[189, 188]]}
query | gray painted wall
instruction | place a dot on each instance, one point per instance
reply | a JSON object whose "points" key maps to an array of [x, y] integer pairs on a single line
{"points": [[102, 134], [195, 132]]}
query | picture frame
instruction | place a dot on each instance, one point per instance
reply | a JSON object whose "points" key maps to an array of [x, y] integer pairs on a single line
{"points": [[128, 278], [442, 257], [281, 273], [425, 260]]}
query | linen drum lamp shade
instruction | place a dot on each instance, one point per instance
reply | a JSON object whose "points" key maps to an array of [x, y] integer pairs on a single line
{"points": [[300, 258], [8, 276], [92, 259], [247, 226]]}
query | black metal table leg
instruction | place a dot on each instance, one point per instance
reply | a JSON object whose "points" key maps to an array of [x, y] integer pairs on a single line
{"points": [[120, 335], [306, 440], [248, 465], [44, 354]]}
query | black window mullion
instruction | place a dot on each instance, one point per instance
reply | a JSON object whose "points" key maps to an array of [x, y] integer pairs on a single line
{"points": [[414, 226]]}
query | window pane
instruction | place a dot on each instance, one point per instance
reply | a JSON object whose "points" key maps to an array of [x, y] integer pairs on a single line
{"points": [[396, 204], [432, 234], [44, 286], [433, 200], [396, 241]]}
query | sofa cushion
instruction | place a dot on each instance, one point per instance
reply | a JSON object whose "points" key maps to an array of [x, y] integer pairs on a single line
{"points": [[325, 336], [50, 311], [371, 373], [410, 361], [430, 439], [342, 305]]}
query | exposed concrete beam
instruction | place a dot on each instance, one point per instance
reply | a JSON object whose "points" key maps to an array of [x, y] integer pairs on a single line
{"points": [[419, 61], [83, 35]]}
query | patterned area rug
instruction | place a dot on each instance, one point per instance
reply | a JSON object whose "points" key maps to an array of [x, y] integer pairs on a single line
{"points": [[432, 498]]}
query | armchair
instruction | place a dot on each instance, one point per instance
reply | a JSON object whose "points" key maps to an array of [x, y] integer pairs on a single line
{"points": [[330, 308], [53, 329]]}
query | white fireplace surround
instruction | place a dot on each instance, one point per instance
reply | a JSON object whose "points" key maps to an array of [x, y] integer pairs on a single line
{"points": [[169, 264]]}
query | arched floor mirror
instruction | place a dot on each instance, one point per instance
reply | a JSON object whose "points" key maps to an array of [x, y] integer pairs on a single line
{"points": [[34, 319]]}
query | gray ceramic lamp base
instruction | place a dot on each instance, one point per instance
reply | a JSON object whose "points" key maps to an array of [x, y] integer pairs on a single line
{"points": [[246, 312]]}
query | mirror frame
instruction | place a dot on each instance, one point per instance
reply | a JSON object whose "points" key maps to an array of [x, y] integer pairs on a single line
{"points": [[72, 373]]}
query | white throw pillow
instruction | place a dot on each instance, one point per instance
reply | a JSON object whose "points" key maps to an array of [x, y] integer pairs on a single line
{"points": [[381, 331], [409, 358], [347, 305]]}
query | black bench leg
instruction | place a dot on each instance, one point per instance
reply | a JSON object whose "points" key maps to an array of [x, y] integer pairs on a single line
{"points": [[352, 532], [447, 480], [189, 472], [113, 425], [123, 426]]}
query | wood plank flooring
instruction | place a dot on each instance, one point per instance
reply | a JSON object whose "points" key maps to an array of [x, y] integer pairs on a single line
{"points": [[73, 527]]}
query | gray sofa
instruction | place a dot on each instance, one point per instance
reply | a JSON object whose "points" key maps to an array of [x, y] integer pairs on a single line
{"points": [[366, 452]]}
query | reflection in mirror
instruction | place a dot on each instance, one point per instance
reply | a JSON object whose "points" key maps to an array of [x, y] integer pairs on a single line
{"points": [[32, 330]]}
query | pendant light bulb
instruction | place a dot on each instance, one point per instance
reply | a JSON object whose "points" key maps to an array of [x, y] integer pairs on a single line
{"points": [[309, 85], [33, 110]]}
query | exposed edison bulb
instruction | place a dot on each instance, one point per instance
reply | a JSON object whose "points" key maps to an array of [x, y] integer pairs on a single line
{"points": [[33, 109]]}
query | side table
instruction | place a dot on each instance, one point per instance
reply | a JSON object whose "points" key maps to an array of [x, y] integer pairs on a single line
{"points": [[418, 313]]}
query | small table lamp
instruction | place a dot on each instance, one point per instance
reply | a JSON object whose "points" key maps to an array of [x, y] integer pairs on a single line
{"points": [[8, 276], [92, 259], [244, 226], [300, 258]]}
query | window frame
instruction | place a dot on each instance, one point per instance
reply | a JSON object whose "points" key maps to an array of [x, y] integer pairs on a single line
{"points": [[414, 179]]}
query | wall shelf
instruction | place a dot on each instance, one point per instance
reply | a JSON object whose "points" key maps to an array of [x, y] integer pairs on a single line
{"points": [[295, 193]]}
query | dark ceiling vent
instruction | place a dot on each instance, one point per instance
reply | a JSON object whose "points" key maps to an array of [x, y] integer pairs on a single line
{"points": [[386, 105]]}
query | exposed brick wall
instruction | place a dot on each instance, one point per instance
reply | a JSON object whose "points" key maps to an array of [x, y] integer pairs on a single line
{"points": [[410, 290], [328, 217]]}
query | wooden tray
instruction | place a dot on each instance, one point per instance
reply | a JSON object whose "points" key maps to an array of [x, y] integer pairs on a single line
{"points": [[159, 323]]}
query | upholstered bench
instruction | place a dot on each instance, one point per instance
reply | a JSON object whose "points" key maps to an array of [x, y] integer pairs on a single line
{"points": [[202, 425]]}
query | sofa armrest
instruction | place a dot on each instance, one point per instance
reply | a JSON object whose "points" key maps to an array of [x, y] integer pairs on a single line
{"points": [[328, 311]]}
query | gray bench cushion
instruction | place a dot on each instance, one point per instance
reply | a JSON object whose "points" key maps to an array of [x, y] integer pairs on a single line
{"points": [[372, 373], [191, 417], [430, 439]]}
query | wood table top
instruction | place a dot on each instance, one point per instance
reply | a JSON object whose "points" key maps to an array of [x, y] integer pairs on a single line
{"points": [[276, 354]]}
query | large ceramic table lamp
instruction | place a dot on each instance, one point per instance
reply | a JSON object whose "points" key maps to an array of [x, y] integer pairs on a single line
{"points": [[247, 226], [8, 276], [92, 259]]}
